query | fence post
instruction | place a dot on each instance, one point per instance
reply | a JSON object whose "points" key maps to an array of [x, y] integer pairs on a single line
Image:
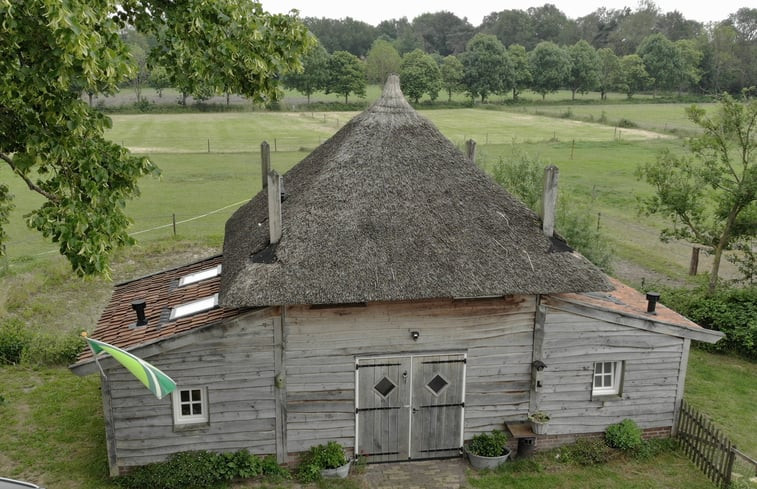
{"points": [[173, 218], [694, 263]]}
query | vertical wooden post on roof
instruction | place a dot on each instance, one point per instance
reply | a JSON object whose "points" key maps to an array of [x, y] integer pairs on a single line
{"points": [[549, 200], [470, 150], [265, 161], [274, 206]]}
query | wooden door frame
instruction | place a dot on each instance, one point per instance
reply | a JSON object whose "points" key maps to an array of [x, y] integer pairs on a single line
{"points": [[410, 356]]}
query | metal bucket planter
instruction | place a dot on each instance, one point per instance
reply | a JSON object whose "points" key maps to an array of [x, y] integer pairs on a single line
{"points": [[337, 473], [480, 462], [538, 428]]}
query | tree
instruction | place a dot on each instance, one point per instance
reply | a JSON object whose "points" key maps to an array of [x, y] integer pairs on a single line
{"points": [[633, 75], [521, 73], [551, 24], [633, 27], [51, 51], [710, 194], [452, 75], [383, 59], [346, 75], [443, 32], [550, 68], [690, 59], [510, 27], [485, 66], [314, 75], [609, 71], [419, 74], [348, 34], [159, 79], [584, 68], [662, 60]]}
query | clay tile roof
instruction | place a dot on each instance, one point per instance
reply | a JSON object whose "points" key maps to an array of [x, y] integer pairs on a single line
{"points": [[630, 302], [161, 292], [389, 209]]}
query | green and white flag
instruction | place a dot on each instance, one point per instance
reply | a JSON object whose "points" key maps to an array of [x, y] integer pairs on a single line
{"points": [[159, 383]]}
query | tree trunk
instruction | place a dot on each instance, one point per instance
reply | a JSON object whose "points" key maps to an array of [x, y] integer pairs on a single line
{"points": [[573, 95], [449, 98], [345, 97], [722, 243]]}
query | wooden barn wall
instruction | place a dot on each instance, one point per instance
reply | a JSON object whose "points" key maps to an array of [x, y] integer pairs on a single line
{"points": [[322, 344], [235, 363], [573, 342]]}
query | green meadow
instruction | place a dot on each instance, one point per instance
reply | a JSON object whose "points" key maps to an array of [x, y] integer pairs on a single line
{"points": [[210, 165]]}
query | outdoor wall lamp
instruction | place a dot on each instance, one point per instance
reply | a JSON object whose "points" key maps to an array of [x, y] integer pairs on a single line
{"points": [[415, 335]]}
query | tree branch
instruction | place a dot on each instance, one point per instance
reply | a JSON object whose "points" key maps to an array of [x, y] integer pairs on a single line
{"points": [[32, 186]]}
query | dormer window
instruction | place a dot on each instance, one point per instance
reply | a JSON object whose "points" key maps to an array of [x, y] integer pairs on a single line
{"points": [[200, 276], [194, 307]]}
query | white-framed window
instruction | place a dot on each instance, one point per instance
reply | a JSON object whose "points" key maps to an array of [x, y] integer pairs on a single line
{"points": [[200, 276], [201, 305], [190, 405], [607, 378]]}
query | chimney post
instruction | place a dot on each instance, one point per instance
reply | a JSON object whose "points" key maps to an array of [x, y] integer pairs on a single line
{"points": [[265, 161], [549, 200], [470, 150], [274, 205]]}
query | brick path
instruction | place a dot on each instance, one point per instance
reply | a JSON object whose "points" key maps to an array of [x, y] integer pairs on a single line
{"points": [[427, 474]]}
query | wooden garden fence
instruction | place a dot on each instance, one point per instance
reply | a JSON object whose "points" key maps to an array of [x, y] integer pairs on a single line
{"points": [[708, 448]]}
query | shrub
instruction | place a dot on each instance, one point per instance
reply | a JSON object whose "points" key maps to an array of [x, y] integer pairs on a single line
{"points": [[585, 452], [488, 444], [14, 339], [654, 447], [625, 123], [52, 349], [328, 456], [730, 310], [625, 435], [199, 469]]}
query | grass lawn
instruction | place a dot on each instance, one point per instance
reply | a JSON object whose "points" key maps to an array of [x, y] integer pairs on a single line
{"points": [[725, 388], [668, 471]]}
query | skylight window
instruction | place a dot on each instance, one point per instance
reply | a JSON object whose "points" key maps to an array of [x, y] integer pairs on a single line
{"points": [[194, 307], [200, 276]]}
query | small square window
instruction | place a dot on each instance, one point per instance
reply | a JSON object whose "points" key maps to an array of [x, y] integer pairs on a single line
{"points": [[607, 378], [190, 406]]}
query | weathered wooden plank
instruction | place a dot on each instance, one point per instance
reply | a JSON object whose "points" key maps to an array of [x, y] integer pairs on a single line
{"points": [[321, 406], [683, 366]]}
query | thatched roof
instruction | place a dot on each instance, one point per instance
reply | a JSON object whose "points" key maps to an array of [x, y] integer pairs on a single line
{"points": [[389, 209]]}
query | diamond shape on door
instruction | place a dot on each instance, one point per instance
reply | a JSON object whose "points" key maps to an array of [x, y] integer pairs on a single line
{"points": [[437, 384], [384, 387]]}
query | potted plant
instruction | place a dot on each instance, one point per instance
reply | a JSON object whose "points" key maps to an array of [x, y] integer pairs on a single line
{"points": [[321, 461], [539, 420], [488, 450]]}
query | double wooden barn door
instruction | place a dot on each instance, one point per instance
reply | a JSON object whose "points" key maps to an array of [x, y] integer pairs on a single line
{"points": [[410, 407]]}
